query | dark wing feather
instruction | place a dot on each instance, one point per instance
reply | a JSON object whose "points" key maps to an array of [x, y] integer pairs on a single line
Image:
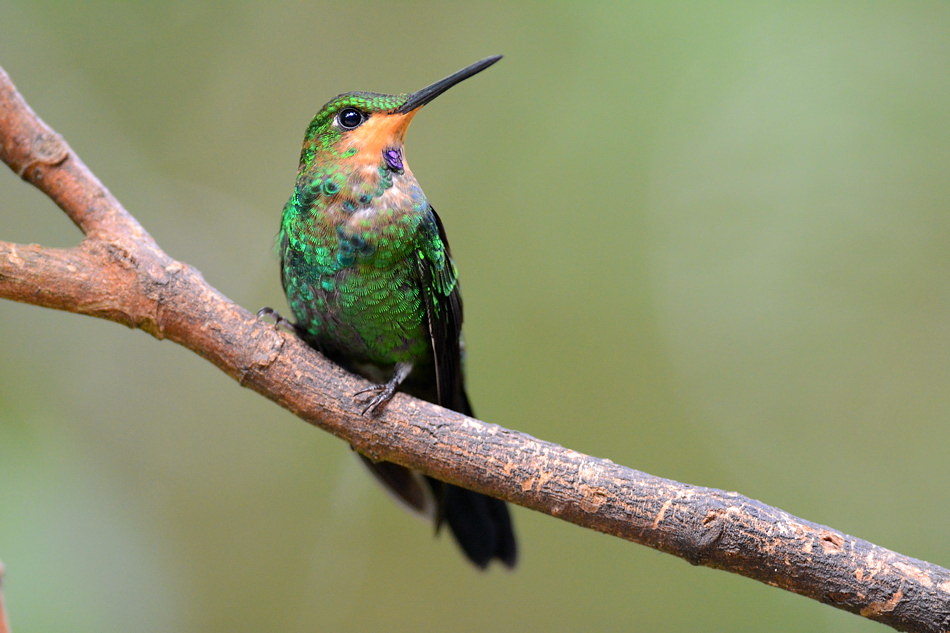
{"points": [[481, 524], [443, 302]]}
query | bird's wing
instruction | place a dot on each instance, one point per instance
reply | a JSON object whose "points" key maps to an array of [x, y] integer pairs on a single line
{"points": [[443, 304], [481, 525]]}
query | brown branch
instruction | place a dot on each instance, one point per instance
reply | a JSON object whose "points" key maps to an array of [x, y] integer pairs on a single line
{"points": [[119, 273]]}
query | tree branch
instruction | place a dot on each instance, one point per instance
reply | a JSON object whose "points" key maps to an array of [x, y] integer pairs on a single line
{"points": [[119, 273]]}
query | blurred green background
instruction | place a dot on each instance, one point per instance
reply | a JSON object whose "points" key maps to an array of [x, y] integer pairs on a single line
{"points": [[706, 240]]}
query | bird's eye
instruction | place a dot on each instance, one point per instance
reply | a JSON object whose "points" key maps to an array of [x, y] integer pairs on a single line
{"points": [[350, 118]]}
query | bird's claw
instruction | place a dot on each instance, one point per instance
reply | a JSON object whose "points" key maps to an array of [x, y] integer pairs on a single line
{"points": [[384, 393], [279, 320]]}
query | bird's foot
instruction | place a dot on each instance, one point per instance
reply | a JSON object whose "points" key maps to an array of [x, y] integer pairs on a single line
{"points": [[279, 320], [385, 392]]}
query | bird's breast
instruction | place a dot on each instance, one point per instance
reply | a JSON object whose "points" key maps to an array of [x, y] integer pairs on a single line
{"points": [[356, 284], [378, 232]]}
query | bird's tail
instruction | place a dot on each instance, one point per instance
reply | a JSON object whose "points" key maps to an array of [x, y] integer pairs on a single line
{"points": [[480, 524]]}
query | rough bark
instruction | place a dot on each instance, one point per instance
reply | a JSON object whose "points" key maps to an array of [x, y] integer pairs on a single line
{"points": [[119, 273]]}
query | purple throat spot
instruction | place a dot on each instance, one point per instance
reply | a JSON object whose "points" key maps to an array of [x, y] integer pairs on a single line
{"points": [[393, 157]]}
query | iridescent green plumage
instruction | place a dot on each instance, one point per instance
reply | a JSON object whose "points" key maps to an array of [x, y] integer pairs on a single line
{"points": [[366, 268]]}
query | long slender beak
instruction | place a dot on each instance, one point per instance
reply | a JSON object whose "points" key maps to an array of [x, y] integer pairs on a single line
{"points": [[421, 97]]}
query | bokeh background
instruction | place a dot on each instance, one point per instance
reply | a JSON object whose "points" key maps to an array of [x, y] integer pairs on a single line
{"points": [[707, 240]]}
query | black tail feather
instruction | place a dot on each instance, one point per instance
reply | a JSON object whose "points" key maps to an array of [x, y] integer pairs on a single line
{"points": [[481, 526]]}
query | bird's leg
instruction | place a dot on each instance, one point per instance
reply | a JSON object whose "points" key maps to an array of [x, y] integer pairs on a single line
{"points": [[279, 320], [385, 392]]}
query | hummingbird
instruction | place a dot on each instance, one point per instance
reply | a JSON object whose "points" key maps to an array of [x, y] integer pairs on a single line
{"points": [[367, 271]]}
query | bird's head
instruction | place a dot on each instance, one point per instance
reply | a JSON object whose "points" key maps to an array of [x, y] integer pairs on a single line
{"points": [[370, 125]]}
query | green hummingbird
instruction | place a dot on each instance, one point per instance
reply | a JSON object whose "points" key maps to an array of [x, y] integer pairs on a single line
{"points": [[366, 268]]}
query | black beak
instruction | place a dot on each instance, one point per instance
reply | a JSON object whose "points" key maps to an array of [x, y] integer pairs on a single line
{"points": [[421, 97]]}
